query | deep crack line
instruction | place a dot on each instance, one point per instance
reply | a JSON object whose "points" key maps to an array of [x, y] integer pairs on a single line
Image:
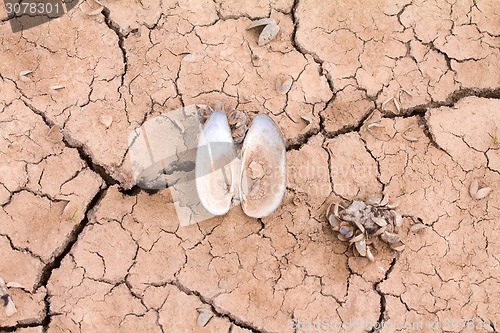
{"points": [[116, 29], [383, 302], [56, 263], [232, 319]]}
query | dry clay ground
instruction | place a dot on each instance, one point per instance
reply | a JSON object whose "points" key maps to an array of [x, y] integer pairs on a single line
{"points": [[96, 254]]}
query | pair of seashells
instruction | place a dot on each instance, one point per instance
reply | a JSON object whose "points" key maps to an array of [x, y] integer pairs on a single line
{"points": [[253, 174]]}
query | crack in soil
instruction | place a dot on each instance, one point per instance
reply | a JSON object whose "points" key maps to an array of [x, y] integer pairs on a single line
{"points": [[383, 302], [232, 319]]}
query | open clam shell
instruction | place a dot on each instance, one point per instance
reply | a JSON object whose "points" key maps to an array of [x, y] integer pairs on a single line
{"points": [[215, 162], [263, 168]]}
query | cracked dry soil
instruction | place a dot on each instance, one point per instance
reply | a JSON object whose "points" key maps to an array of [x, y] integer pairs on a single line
{"points": [[96, 254]]}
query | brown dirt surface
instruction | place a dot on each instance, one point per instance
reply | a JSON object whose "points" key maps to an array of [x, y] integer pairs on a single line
{"points": [[92, 252]]}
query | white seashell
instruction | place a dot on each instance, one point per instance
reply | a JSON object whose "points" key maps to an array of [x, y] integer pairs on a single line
{"points": [[398, 247], [385, 201], [390, 237], [374, 199], [106, 120], [359, 225], [15, 285], [264, 21], [283, 85], [396, 103], [384, 103], [377, 125], [22, 75], [189, 57], [417, 227], [381, 222], [54, 88], [268, 34], [398, 219], [10, 307], [215, 160], [2, 283], [482, 193], [409, 137], [204, 316], [265, 146], [54, 135], [334, 222], [473, 188], [379, 231], [361, 247], [392, 205], [369, 254], [357, 238]]}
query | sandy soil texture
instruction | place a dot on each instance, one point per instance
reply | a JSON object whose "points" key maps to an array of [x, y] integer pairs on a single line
{"points": [[94, 253]]}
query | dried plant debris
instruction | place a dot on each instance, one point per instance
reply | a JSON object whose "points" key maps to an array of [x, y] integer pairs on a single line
{"points": [[476, 192], [7, 302], [237, 120], [365, 224], [269, 32]]}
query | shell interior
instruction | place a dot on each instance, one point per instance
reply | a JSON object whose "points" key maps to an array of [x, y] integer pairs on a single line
{"points": [[258, 180]]}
